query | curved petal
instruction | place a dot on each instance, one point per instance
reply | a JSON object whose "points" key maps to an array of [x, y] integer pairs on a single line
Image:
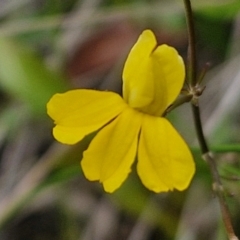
{"points": [[71, 135], [79, 112], [113, 150], [169, 72], [138, 85], [164, 160], [152, 76]]}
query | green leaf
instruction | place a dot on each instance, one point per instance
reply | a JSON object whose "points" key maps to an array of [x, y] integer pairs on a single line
{"points": [[24, 76]]}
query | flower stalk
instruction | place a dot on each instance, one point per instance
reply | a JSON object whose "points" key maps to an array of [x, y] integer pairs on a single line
{"points": [[206, 154], [192, 58]]}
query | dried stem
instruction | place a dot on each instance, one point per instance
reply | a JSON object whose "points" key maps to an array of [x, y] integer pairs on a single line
{"points": [[192, 79]]}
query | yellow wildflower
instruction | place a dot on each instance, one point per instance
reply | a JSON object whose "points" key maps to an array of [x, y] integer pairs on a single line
{"points": [[152, 79]]}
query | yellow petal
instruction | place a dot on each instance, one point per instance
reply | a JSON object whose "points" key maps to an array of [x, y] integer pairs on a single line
{"points": [[79, 112], [113, 150], [138, 85], [169, 74], [70, 135], [152, 76], [164, 160]]}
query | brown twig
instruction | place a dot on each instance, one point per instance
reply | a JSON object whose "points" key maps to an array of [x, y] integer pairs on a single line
{"points": [[193, 82]]}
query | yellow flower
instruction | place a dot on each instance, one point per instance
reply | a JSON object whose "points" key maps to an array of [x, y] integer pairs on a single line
{"points": [[152, 79]]}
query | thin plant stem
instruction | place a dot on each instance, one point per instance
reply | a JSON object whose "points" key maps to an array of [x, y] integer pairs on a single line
{"points": [[198, 126], [192, 59], [217, 183], [207, 156]]}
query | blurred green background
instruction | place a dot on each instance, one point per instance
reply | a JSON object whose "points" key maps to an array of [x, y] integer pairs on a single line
{"points": [[52, 46]]}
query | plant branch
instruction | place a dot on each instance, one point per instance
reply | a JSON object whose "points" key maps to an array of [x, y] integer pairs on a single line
{"points": [[192, 78], [199, 130], [192, 59], [217, 183]]}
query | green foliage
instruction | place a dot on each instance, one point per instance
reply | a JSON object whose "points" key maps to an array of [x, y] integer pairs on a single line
{"points": [[25, 77], [220, 11]]}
